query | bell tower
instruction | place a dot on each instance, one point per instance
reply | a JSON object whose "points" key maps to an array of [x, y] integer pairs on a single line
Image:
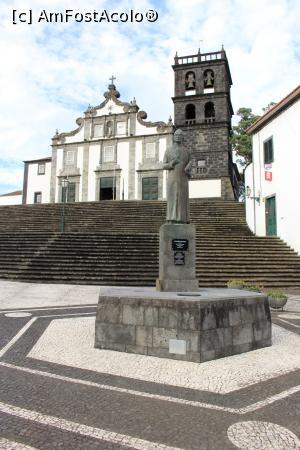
{"points": [[203, 110]]}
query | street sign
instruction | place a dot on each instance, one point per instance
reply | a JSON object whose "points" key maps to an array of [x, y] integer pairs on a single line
{"points": [[268, 176]]}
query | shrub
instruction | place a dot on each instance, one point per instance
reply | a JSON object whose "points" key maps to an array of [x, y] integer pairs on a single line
{"points": [[276, 293], [236, 283], [253, 287]]}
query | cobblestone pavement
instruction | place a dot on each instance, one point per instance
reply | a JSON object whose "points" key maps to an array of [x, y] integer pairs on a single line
{"points": [[58, 392]]}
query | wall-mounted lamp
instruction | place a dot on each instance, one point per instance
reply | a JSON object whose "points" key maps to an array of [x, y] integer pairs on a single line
{"points": [[248, 192]]}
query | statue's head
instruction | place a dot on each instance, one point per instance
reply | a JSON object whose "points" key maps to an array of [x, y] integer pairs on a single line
{"points": [[178, 135]]}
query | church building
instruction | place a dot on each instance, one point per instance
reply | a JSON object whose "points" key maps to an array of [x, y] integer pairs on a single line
{"points": [[116, 154]]}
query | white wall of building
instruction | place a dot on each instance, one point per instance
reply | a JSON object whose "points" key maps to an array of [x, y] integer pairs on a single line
{"points": [[285, 177], [38, 183], [10, 200], [204, 188], [250, 203]]}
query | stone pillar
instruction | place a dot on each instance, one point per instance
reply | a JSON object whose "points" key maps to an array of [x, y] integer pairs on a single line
{"points": [[177, 270]]}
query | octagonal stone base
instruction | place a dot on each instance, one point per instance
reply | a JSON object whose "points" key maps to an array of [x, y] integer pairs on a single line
{"points": [[198, 327]]}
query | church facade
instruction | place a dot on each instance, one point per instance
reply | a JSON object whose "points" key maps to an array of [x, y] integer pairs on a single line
{"points": [[115, 154]]}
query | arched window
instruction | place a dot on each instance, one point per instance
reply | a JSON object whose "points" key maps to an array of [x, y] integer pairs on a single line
{"points": [[209, 79], [190, 114], [190, 81], [209, 112]]}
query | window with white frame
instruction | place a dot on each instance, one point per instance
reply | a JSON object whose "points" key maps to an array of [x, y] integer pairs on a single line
{"points": [[70, 158], [98, 130], [150, 150], [201, 166], [41, 168], [121, 128], [108, 154]]}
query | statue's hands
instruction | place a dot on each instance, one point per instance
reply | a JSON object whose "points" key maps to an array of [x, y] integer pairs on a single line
{"points": [[174, 162]]}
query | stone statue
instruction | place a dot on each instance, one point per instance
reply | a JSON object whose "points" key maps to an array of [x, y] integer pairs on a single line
{"points": [[177, 160]]}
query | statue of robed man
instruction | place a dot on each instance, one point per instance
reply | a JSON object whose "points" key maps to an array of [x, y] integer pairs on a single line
{"points": [[177, 160]]}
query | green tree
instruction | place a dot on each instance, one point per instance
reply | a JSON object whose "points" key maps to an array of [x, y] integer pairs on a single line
{"points": [[270, 105], [240, 140]]}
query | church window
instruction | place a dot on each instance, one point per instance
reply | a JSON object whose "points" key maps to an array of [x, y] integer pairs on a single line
{"points": [[108, 154], [41, 168], [209, 112], [190, 114], [37, 197], [150, 150], [109, 129], [209, 79], [268, 151], [121, 128], [190, 81], [70, 157], [98, 130]]}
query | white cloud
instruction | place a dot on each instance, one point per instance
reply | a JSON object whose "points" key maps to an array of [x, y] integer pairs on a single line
{"points": [[51, 72]]}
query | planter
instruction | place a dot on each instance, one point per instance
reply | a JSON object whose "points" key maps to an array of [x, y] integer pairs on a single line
{"points": [[277, 302]]}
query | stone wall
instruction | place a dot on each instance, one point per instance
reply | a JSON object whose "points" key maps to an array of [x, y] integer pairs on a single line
{"points": [[207, 328]]}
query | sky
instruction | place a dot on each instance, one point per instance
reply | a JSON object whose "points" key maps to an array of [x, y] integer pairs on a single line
{"points": [[50, 72]]}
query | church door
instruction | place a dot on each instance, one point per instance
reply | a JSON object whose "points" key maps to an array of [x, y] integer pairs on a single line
{"points": [[68, 193], [107, 188], [271, 225], [150, 188]]}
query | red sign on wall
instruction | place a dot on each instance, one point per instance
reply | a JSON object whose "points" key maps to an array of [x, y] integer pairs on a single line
{"points": [[268, 176]]}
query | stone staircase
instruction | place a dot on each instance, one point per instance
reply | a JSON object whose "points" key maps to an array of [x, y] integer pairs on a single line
{"points": [[116, 243]]}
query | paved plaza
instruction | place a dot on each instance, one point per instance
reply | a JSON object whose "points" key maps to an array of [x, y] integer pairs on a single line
{"points": [[58, 392]]}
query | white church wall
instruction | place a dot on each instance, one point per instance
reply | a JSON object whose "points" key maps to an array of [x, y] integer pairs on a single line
{"points": [[94, 158], [284, 129], [123, 161], [80, 167], [138, 160], [110, 108], [78, 137], [59, 167], [162, 148], [141, 130], [204, 188]]}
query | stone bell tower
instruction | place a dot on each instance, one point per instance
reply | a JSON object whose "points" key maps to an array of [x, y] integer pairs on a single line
{"points": [[203, 110]]}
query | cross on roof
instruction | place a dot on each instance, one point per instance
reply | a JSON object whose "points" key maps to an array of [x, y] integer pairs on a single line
{"points": [[112, 79]]}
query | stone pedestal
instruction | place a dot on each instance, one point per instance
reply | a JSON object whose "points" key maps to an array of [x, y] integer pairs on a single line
{"points": [[193, 327], [177, 272]]}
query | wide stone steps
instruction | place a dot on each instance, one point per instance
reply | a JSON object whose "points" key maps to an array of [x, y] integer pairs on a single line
{"points": [[116, 243]]}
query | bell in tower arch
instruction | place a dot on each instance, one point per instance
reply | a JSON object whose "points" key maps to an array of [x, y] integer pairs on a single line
{"points": [[190, 81], [209, 79]]}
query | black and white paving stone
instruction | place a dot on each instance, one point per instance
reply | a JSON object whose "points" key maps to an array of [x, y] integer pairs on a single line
{"points": [[57, 391]]}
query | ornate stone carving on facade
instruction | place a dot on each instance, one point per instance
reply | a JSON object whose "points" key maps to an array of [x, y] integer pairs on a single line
{"points": [[162, 127], [60, 137], [69, 172], [113, 94]]}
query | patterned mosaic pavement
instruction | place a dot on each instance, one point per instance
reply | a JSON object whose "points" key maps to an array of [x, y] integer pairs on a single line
{"points": [[57, 391]]}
